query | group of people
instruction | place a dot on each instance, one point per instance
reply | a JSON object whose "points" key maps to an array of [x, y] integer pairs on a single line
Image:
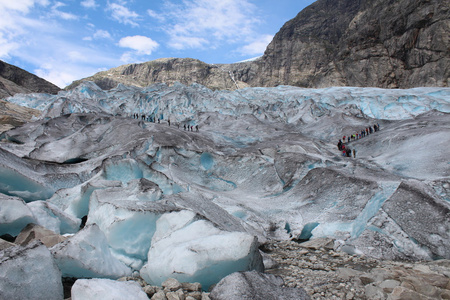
{"points": [[143, 117], [346, 151], [191, 127], [152, 119]]}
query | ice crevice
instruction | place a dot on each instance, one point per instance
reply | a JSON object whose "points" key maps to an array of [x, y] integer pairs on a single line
{"points": [[168, 202], [372, 207]]}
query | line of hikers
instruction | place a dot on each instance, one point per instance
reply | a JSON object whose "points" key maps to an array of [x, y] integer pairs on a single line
{"points": [[346, 151], [152, 119]]}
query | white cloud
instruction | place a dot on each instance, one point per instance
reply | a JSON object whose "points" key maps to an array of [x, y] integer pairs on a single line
{"points": [[102, 34], [155, 15], [185, 42], [61, 14], [217, 21], [123, 15], [67, 62], [7, 47], [21, 5], [257, 47], [98, 34], [141, 44], [15, 25], [89, 4], [129, 57], [61, 78], [32, 35]]}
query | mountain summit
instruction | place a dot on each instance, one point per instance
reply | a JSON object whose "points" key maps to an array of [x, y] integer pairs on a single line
{"points": [[365, 43], [15, 80]]}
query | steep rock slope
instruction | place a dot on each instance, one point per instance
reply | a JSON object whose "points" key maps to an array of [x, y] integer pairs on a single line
{"points": [[381, 43], [165, 70], [12, 115], [367, 43], [15, 80]]}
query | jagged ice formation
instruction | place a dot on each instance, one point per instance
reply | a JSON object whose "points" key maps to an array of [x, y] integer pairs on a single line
{"points": [[264, 164]]}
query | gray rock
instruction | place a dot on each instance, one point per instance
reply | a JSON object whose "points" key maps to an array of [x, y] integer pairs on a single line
{"points": [[396, 44], [16, 80], [5, 244], [205, 296], [254, 285], [191, 287], [171, 284], [389, 285], [164, 70], [177, 295], [374, 292], [160, 295], [150, 290], [318, 243], [33, 232], [195, 295]]}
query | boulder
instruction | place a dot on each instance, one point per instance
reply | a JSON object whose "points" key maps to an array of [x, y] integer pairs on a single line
{"points": [[255, 285], [33, 232]]}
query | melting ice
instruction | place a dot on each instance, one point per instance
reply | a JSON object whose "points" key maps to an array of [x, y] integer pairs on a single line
{"points": [[167, 200]]}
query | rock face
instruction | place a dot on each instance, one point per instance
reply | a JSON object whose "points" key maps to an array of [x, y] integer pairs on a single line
{"points": [[165, 70], [382, 43], [12, 115], [376, 43], [14, 80]]}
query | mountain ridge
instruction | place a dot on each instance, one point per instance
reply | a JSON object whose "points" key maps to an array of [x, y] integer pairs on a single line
{"points": [[15, 80], [366, 43]]}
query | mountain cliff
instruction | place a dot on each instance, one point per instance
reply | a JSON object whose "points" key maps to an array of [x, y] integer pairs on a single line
{"points": [[167, 70], [15, 80], [376, 43], [381, 43]]}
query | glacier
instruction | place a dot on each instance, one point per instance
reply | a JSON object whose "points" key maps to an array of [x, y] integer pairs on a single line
{"points": [[161, 197]]}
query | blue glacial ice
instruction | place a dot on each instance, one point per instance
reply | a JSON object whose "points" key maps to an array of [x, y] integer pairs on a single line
{"points": [[86, 254], [198, 251], [170, 202], [15, 215]]}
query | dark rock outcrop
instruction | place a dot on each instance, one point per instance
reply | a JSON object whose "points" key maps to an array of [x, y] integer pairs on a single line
{"points": [[15, 80], [376, 43]]}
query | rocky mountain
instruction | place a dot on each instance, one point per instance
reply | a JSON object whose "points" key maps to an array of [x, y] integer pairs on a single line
{"points": [[380, 43], [12, 115], [15, 80], [367, 43], [165, 70]]}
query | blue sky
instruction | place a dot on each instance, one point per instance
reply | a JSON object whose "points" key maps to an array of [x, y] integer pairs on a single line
{"points": [[63, 41]]}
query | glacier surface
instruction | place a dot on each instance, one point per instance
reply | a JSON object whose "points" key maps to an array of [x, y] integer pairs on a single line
{"points": [[182, 181]]}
